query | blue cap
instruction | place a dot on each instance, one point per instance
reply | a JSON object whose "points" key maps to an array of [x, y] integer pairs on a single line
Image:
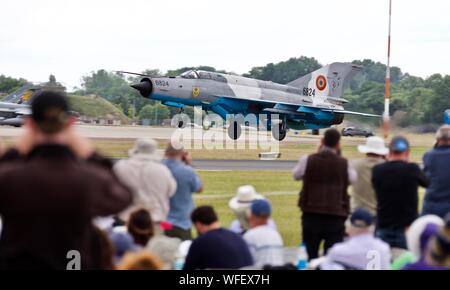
{"points": [[399, 144], [361, 218], [261, 208], [122, 243]]}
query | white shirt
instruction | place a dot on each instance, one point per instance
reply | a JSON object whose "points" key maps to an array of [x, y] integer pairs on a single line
{"points": [[152, 184], [266, 246], [364, 252]]}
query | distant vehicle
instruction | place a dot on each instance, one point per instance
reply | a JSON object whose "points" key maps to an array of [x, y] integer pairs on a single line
{"points": [[447, 117], [353, 131]]}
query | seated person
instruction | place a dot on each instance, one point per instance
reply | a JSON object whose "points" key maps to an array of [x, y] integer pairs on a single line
{"points": [[362, 250], [215, 247], [265, 243], [240, 204]]}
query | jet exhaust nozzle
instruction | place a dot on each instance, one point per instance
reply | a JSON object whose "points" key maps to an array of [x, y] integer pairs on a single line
{"points": [[145, 87]]}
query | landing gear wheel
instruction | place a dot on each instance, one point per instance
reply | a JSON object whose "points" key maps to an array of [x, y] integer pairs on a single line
{"points": [[279, 131], [181, 124], [234, 130]]}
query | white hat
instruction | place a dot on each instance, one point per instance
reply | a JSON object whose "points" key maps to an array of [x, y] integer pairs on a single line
{"points": [[374, 145], [245, 195], [144, 147]]}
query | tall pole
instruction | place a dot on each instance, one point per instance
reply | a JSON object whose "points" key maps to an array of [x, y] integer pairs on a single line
{"points": [[386, 116]]}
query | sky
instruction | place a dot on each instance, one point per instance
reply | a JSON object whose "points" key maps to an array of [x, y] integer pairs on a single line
{"points": [[71, 38]]}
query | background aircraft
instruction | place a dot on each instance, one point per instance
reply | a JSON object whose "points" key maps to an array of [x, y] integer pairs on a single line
{"points": [[16, 105], [313, 101]]}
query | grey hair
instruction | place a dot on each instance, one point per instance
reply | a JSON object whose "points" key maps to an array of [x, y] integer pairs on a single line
{"points": [[443, 133]]}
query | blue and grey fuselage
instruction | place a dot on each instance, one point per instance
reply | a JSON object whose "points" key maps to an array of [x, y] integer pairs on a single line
{"points": [[313, 101]]}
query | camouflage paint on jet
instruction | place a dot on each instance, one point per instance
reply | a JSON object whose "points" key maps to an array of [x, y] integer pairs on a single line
{"points": [[313, 101]]}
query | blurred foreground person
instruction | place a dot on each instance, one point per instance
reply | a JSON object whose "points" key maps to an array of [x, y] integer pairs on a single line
{"points": [[324, 200], [123, 243], [215, 247], [179, 162], [2, 148], [52, 186], [418, 236], [362, 251], [140, 231], [438, 252], [396, 185], [437, 168], [141, 260], [140, 227], [240, 204], [151, 181], [265, 243], [363, 195]]}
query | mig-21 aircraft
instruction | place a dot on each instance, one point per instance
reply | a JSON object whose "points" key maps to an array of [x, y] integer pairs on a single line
{"points": [[313, 101]]}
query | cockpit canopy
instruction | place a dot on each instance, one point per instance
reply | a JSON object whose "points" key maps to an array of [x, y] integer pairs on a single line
{"points": [[190, 74], [204, 75]]}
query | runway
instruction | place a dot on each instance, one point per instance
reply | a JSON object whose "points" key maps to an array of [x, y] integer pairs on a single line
{"points": [[271, 165], [165, 133]]}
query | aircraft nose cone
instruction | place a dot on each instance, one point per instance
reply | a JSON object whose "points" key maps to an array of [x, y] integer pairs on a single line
{"points": [[145, 87]]}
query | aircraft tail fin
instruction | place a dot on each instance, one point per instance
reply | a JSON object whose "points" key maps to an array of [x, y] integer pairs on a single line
{"points": [[328, 81], [22, 95]]}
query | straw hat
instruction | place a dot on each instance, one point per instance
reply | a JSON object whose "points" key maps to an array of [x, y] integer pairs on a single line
{"points": [[245, 195], [374, 145]]}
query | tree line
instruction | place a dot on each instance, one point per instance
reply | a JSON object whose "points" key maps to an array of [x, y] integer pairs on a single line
{"points": [[414, 100]]}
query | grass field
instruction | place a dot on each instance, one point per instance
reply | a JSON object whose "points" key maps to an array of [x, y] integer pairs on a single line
{"points": [[113, 147], [289, 150], [278, 187]]}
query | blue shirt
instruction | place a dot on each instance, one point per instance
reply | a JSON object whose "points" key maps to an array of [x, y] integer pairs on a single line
{"points": [[437, 168], [218, 249], [181, 203]]}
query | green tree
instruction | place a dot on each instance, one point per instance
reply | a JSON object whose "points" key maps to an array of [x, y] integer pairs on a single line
{"points": [[9, 84], [156, 113], [285, 71]]}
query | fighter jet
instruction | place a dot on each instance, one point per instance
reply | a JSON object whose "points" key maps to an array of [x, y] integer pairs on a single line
{"points": [[16, 105], [313, 101]]}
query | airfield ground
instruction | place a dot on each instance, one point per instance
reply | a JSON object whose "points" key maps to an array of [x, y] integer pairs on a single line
{"points": [[221, 185]]}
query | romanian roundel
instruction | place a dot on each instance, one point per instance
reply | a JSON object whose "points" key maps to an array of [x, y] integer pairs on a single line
{"points": [[321, 83]]}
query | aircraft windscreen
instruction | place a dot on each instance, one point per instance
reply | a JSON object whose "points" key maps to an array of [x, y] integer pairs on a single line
{"points": [[190, 74]]}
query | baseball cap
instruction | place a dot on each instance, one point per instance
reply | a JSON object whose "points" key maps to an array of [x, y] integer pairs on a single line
{"points": [[399, 144], [361, 218], [50, 111], [261, 208]]}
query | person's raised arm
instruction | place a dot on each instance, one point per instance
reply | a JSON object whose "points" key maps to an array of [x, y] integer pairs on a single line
{"points": [[299, 170]]}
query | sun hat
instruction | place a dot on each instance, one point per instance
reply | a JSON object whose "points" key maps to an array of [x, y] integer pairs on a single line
{"points": [[374, 145], [145, 147], [245, 195]]}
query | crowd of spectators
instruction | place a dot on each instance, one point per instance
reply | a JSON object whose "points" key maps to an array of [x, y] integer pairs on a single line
{"points": [[58, 195]]}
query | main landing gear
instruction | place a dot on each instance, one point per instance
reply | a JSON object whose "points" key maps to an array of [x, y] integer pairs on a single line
{"points": [[278, 128]]}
